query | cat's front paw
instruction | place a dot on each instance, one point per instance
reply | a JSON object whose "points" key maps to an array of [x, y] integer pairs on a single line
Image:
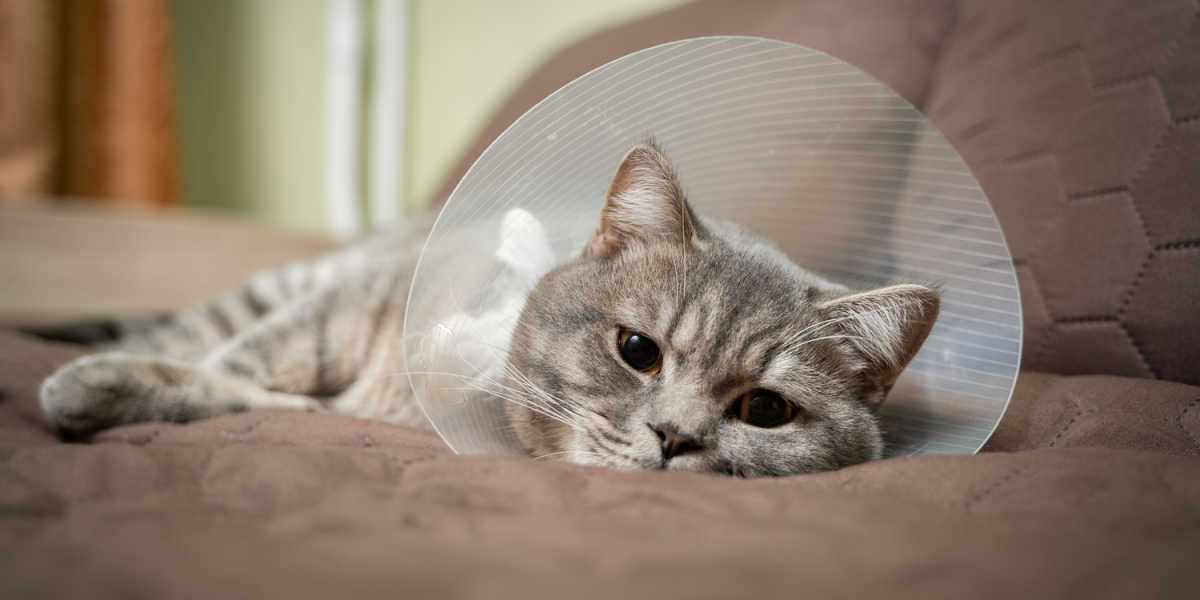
{"points": [[89, 394]]}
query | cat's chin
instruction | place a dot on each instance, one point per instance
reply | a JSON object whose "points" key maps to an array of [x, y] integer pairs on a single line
{"points": [[686, 462], [582, 457]]}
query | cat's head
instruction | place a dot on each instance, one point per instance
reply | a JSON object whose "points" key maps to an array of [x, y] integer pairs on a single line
{"points": [[678, 343]]}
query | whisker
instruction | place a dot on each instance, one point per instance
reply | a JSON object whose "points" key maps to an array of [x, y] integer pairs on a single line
{"points": [[570, 406], [517, 397], [827, 337], [534, 407], [574, 452], [798, 336], [535, 399], [524, 380], [551, 411]]}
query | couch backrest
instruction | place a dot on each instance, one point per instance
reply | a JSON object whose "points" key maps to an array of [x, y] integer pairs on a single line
{"points": [[1081, 119], [896, 41]]}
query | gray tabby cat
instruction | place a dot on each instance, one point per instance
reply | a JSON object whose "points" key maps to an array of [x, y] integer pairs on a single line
{"points": [[671, 342]]}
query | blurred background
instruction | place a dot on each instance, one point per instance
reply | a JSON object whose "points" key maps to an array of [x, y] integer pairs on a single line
{"points": [[315, 116], [260, 131]]}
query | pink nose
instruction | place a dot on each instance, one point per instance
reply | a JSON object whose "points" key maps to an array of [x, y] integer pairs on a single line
{"points": [[673, 442]]}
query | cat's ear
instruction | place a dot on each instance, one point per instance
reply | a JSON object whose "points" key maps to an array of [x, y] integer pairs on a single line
{"points": [[884, 329], [644, 204]]}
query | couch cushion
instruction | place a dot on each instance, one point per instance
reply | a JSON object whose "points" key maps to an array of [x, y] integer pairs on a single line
{"points": [[1051, 411], [246, 519], [1080, 119], [268, 504]]}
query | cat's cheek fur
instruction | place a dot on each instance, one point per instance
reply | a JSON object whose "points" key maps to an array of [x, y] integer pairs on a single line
{"points": [[538, 435]]}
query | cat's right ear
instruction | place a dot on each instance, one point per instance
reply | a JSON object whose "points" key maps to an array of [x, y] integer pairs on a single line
{"points": [[645, 203], [884, 329]]}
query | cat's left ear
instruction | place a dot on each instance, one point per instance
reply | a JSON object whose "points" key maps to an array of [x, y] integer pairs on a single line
{"points": [[645, 204], [884, 329]]}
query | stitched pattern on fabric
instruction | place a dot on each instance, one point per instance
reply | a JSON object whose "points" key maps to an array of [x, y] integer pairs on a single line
{"points": [[1100, 193], [995, 485], [1123, 81], [150, 438], [1078, 413], [1132, 64], [1179, 422], [1127, 297], [1086, 320], [1137, 348], [1180, 245], [240, 436], [399, 467], [1059, 435]]}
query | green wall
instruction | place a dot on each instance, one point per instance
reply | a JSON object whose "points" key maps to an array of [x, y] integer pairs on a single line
{"points": [[250, 83], [469, 55]]}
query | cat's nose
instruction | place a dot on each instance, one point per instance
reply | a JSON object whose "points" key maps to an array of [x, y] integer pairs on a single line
{"points": [[673, 442]]}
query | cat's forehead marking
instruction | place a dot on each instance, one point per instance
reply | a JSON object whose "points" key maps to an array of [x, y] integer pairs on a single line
{"points": [[688, 322], [640, 314], [756, 351], [782, 366]]}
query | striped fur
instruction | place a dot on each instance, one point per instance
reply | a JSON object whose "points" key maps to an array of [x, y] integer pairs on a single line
{"points": [[320, 335]]}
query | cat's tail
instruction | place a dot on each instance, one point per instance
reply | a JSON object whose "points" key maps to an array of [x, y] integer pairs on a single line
{"points": [[92, 332], [189, 333]]}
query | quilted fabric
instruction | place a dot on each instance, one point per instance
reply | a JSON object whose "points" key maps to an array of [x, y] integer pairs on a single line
{"points": [[1082, 121], [296, 505]]}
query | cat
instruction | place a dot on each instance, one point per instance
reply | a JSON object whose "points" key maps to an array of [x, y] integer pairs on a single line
{"points": [[670, 342]]}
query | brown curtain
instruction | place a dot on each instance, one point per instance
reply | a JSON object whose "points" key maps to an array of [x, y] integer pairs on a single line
{"points": [[86, 102]]}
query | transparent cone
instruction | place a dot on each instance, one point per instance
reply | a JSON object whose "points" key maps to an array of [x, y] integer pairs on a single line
{"points": [[832, 165]]}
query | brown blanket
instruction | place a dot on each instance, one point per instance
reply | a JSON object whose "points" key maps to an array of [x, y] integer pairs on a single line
{"points": [[295, 505]]}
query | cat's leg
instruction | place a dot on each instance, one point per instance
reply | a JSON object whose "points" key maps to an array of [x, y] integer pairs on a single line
{"points": [[320, 346], [296, 357], [114, 388]]}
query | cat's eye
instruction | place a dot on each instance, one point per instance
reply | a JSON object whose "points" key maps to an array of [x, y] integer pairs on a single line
{"points": [[639, 351], [762, 408]]}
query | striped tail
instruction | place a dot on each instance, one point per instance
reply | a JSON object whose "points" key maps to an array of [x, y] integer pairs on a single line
{"points": [[90, 332], [190, 333]]}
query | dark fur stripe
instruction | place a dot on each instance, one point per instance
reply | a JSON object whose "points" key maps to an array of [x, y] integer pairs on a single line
{"points": [[253, 302], [176, 328], [87, 333], [600, 445], [767, 356], [381, 311], [753, 340], [218, 317], [724, 327], [235, 366], [614, 439]]}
